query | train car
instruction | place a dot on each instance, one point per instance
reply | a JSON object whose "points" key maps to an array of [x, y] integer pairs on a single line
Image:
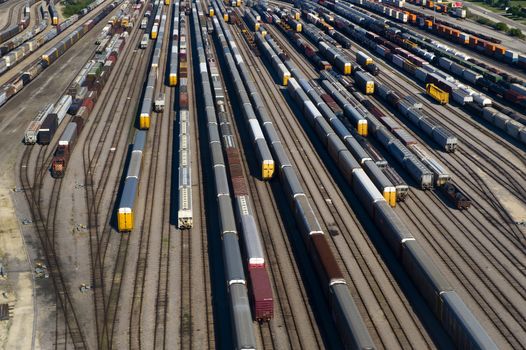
{"points": [[363, 59], [365, 81], [125, 211], [262, 297], [31, 134], [459, 199], [294, 24], [348, 320], [155, 31], [125, 217], [144, 41], [461, 324], [241, 316], [53, 13], [185, 212], [62, 154], [336, 57], [438, 94], [47, 129], [147, 103]]}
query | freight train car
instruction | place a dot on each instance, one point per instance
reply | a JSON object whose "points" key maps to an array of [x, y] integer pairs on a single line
{"points": [[365, 82], [438, 94], [53, 13], [125, 211], [66, 143]]}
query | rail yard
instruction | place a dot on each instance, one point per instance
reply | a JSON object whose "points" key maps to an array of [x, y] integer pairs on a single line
{"points": [[201, 174]]}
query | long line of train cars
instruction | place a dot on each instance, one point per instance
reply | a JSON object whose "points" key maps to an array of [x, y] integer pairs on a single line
{"points": [[259, 282], [345, 314], [126, 207], [157, 33], [236, 283], [85, 91], [11, 88], [185, 212], [174, 50], [456, 318], [265, 159]]}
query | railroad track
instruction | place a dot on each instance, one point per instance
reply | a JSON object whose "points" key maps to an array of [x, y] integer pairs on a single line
{"points": [[94, 189], [475, 185], [361, 248], [46, 235], [135, 326], [201, 232], [280, 275], [186, 328], [478, 185], [340, 225], [495, 315], [10, 16], [151, 252], [481, 150], [511, 183], [161, 304], [145, 229], [168, 116]]}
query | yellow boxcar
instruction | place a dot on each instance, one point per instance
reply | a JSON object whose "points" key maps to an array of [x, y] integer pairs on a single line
{"points": [[286, 78], [347, 68], [267, 169], [362, 128], [438, 94], [125, 219], [55, 21], [173, 79], [144, 121], [225, 17], [167, 2], [369, 88], [298, 27], [390, 196], [211, 12], [154, 34]]}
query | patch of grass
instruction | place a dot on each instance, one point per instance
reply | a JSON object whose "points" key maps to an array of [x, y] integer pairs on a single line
{"points": [[489, 8], [500, 26], [72, 7]]}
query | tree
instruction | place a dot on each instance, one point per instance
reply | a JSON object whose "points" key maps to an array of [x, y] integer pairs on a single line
{"points": [[501, 26], [516, 32]]}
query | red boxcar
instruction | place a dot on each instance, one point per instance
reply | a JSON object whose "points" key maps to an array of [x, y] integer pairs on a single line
{"points": [[262, 299]]}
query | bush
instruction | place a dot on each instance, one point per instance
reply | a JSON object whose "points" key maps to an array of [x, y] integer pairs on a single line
{"points": [[484, 21], [516, 32], [501, 26]]}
